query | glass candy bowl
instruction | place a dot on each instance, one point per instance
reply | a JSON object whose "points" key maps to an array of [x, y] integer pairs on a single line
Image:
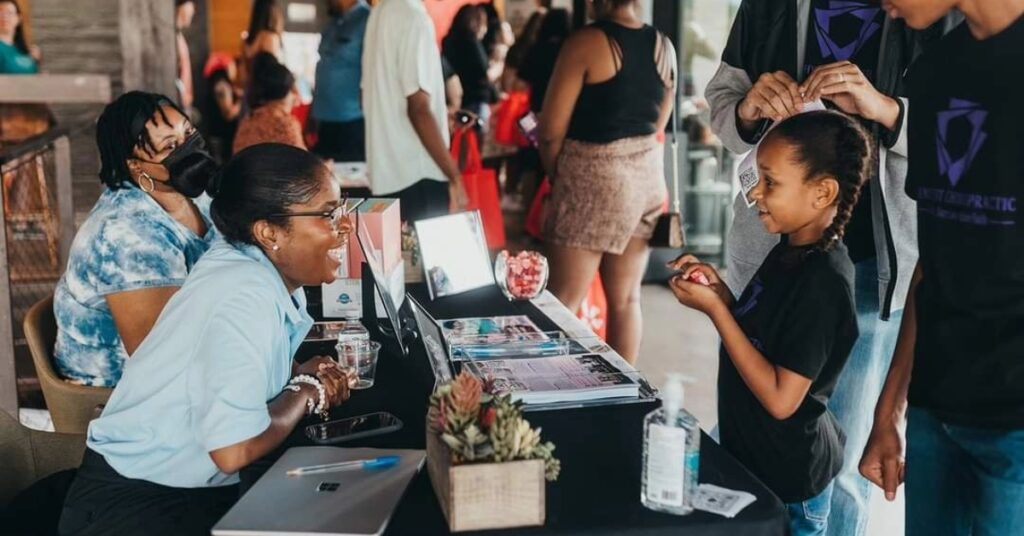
{"points": [[522, 276]]}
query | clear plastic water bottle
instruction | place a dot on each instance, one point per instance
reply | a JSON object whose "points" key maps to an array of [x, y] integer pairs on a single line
{"points": [[671, 453], [353, 331]]}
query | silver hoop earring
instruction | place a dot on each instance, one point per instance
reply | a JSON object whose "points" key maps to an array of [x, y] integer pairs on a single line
{"points": [[152, 183]]}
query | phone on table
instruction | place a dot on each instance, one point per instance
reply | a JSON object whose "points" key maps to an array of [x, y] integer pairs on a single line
{"points": [[325, 331], [342, 430]]}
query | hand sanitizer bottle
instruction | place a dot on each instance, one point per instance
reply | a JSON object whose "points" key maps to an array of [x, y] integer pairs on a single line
{"points": [[671, 453]]}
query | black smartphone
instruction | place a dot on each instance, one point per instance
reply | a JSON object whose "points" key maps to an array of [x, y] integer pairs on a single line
{"points": [[325, 331], [351, 428]]}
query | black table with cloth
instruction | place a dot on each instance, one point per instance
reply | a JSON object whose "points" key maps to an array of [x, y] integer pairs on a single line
{"points": [[598, 491]]}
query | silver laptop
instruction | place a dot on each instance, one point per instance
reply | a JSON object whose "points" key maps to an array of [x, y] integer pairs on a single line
{"points": [[354, 502]]}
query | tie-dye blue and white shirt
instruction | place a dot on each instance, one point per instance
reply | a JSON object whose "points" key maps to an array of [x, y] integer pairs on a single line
{"points": [[128, 242]]}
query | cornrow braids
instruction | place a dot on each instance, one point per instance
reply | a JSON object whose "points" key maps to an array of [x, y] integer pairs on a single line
{"points": [[122, 127], [832, 144]]}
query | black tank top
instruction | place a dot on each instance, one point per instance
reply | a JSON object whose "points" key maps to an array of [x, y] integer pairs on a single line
{"points": [[629, 103]]}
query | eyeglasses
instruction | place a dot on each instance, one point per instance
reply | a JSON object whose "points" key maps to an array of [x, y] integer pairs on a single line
{"points": [[336, 215]]}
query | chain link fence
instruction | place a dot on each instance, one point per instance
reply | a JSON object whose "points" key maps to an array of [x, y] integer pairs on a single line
{"points": [[38, 225]]}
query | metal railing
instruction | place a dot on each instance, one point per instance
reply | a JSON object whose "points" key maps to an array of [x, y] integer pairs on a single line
{"points": [[38, 225]]}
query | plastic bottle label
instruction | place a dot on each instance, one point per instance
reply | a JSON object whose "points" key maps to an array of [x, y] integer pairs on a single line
{"points": [[666, 464]]}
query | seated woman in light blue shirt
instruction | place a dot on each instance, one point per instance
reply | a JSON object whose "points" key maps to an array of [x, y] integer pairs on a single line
{"points": [[145, 233], [215, 387]]}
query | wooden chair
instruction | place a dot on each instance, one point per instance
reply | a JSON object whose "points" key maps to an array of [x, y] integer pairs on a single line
{"points": [[71, 406]]}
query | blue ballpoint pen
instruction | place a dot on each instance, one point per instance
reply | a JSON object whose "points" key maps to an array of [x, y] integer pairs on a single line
{"points": [[383, 462]]}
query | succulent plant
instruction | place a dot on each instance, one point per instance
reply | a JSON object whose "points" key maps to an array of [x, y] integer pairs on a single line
{"points": [[465, 394], [480, 427]]}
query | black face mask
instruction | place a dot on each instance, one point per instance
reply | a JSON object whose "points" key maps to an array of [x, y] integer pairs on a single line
{"points": [[190, 166]]}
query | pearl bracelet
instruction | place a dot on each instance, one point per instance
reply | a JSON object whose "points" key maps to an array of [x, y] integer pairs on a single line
{"points": [[321, 405]]}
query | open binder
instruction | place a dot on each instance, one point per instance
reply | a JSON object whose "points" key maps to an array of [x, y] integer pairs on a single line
{"points": [[550, 372]]}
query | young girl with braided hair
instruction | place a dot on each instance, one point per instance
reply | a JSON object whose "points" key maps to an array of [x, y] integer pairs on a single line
{"points": [[786, 339]]}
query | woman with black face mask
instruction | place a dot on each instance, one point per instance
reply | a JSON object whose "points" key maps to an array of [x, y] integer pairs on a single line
{"points": [[146, 231]]}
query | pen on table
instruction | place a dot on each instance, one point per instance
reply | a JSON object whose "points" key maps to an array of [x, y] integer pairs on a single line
{"points": [[383, 462]]}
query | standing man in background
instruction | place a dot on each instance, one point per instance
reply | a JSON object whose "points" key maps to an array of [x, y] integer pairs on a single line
{"points": [[406, 117], [950, 421], [337, 111]]}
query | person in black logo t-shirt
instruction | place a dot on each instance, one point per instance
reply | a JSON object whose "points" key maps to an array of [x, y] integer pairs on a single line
{"points": [[786, 339], [960, 360]]}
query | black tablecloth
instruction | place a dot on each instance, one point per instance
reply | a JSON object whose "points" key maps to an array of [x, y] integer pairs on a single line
{"points": [[600, 448]]}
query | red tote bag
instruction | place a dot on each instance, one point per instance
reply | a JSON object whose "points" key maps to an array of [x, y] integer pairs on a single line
{"points": [[481, 186], [510, 111]]}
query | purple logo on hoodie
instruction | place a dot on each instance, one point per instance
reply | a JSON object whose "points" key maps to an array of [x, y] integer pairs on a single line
{"points": [[844, 27]]}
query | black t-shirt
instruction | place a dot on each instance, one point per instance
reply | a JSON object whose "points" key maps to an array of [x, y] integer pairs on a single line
{"points": [[467, 57], [849, 30], [966, 157], [798, 311], [537, 69]]}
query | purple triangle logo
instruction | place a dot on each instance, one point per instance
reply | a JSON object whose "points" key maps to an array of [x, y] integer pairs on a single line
{"points": [[748, 301], [826, 19], [955, 161]]}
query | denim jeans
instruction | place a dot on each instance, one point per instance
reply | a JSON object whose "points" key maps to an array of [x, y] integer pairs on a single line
{"points": [[853, 402], [963, 481], [810, 517]]}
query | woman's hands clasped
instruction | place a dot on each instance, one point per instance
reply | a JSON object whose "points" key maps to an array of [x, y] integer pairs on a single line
{"points": [[337, 381]]}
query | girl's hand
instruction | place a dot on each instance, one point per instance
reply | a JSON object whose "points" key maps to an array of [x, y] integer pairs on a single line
{"points": [[682, 261], [695, 295], [694, 271], [688, 264]]}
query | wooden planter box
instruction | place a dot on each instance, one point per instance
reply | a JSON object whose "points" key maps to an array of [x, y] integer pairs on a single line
{"points": [[486, 495]]}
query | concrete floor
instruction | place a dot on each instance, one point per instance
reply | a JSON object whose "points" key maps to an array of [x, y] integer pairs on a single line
{"points": [[679, 339]]}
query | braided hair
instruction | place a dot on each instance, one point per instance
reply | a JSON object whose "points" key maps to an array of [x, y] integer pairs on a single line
{"points": [[122, 127], [831, 144]]}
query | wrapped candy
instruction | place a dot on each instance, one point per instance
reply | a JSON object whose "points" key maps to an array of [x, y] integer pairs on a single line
{"points": [[698, 277], [522, 276]]}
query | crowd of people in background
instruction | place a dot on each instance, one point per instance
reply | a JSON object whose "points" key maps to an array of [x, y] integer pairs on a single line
{"points": [[870, 315]]}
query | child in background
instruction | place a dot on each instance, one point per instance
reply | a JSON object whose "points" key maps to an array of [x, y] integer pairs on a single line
{"points": [[786, 339]]}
